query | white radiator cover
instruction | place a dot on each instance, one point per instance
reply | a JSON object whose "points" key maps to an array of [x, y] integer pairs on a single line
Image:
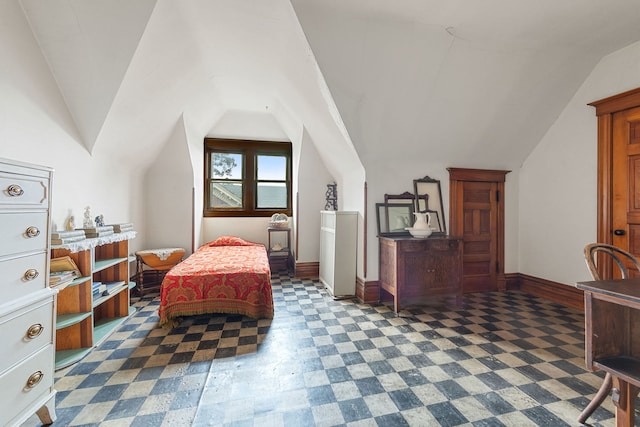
{"points": [[338, 252]]}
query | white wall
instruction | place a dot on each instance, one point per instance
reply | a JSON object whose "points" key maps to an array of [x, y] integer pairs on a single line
{"points": [[312, 179], [558, 179], [168, 195], [36, 127]]}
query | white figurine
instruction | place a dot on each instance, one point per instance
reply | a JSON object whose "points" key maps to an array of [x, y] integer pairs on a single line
{"points": [[71, 223], [88, 223]]}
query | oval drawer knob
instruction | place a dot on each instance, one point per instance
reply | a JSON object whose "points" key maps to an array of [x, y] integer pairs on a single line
{"points": [[34, 330], [34, 379], [31, 274], [15, 190], [32, 231]]}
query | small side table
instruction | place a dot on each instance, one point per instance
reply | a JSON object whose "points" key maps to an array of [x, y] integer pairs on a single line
{"points": [[279, 256], [155, 263]]}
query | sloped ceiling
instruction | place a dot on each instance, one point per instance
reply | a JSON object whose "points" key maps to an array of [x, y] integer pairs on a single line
{"points": [[476, 81], [468, 83], [89, 46]]}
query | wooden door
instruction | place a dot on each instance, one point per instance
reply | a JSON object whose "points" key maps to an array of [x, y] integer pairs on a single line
{"points": [[618, 174], [477, 215], [626, 180], [479, 201]]}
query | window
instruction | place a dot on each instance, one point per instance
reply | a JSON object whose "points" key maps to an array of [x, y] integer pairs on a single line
{"points": [[246, 178]]}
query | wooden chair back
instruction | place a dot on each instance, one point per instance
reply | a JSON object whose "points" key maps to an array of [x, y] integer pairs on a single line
{"points": [[621, 258]]}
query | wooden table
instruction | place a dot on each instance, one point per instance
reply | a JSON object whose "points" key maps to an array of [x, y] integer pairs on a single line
{"points": [[612, 339]]}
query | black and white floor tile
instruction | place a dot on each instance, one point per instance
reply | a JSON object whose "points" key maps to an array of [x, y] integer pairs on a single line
{"points": [[500, 359]]}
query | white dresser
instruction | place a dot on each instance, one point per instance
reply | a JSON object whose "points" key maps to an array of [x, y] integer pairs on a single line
{"points": [[338, 250], [27, 307]]}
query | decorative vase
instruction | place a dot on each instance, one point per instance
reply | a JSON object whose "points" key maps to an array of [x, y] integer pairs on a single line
{"points": [[423, 221]]}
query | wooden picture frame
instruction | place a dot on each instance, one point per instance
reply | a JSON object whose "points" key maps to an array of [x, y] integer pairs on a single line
{"points": [[405, 197], [428, 196], [394, 218]]}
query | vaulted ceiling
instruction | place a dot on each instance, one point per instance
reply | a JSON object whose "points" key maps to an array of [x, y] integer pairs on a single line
{"points": [[481, 81]]}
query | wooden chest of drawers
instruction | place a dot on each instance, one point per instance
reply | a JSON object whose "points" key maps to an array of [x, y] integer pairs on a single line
{"points": [[413, 271], [27, 307]]}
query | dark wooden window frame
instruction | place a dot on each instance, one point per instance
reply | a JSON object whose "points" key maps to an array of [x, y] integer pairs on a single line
{"points": [[250, 150]]}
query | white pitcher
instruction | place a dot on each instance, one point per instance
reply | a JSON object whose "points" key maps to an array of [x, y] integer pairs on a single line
{"points": [[423, 221]]}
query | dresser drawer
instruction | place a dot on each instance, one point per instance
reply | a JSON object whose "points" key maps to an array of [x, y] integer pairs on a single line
{"points": [[23, 232], [25, 331], [20, 387], [23, 190], [22, 275]]}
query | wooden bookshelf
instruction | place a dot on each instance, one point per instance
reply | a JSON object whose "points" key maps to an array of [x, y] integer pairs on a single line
{"points": [[85, 319]]}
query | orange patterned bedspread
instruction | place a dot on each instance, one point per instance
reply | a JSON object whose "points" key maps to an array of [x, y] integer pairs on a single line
{"points": [[229, 275]]}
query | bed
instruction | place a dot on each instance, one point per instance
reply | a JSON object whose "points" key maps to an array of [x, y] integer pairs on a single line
{"points": [[228, 275]]}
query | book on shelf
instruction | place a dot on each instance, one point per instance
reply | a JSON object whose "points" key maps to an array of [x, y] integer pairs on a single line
{"points": [[64, 234], [121, 228], [99, 234], [97, 229], [64, 240], [98, 288], [61, 285], [61, 278], [61, 275], [62, 264], [112, 288]]}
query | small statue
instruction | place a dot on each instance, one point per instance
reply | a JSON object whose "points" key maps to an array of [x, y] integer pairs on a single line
{"points": [[70, 224], [331, 197], [100, 221], [87, 223]]}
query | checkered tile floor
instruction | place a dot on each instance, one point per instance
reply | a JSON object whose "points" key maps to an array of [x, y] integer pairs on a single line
{"points": [[502, 359]]}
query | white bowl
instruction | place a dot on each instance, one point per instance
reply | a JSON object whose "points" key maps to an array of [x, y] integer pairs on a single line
{"points": [[420, 232]]}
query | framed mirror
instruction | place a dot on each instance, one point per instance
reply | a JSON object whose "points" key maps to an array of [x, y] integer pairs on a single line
{"points": [[393, 218], [405, 197], [428, 197]]}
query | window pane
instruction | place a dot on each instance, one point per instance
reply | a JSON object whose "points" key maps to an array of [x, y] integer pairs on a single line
{"points": [[246, 178], [225, 194], [272, 195], [272, 168], [226, 166]]}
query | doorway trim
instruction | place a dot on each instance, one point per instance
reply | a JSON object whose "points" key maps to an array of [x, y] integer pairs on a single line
{"points": [[605, 109]]}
